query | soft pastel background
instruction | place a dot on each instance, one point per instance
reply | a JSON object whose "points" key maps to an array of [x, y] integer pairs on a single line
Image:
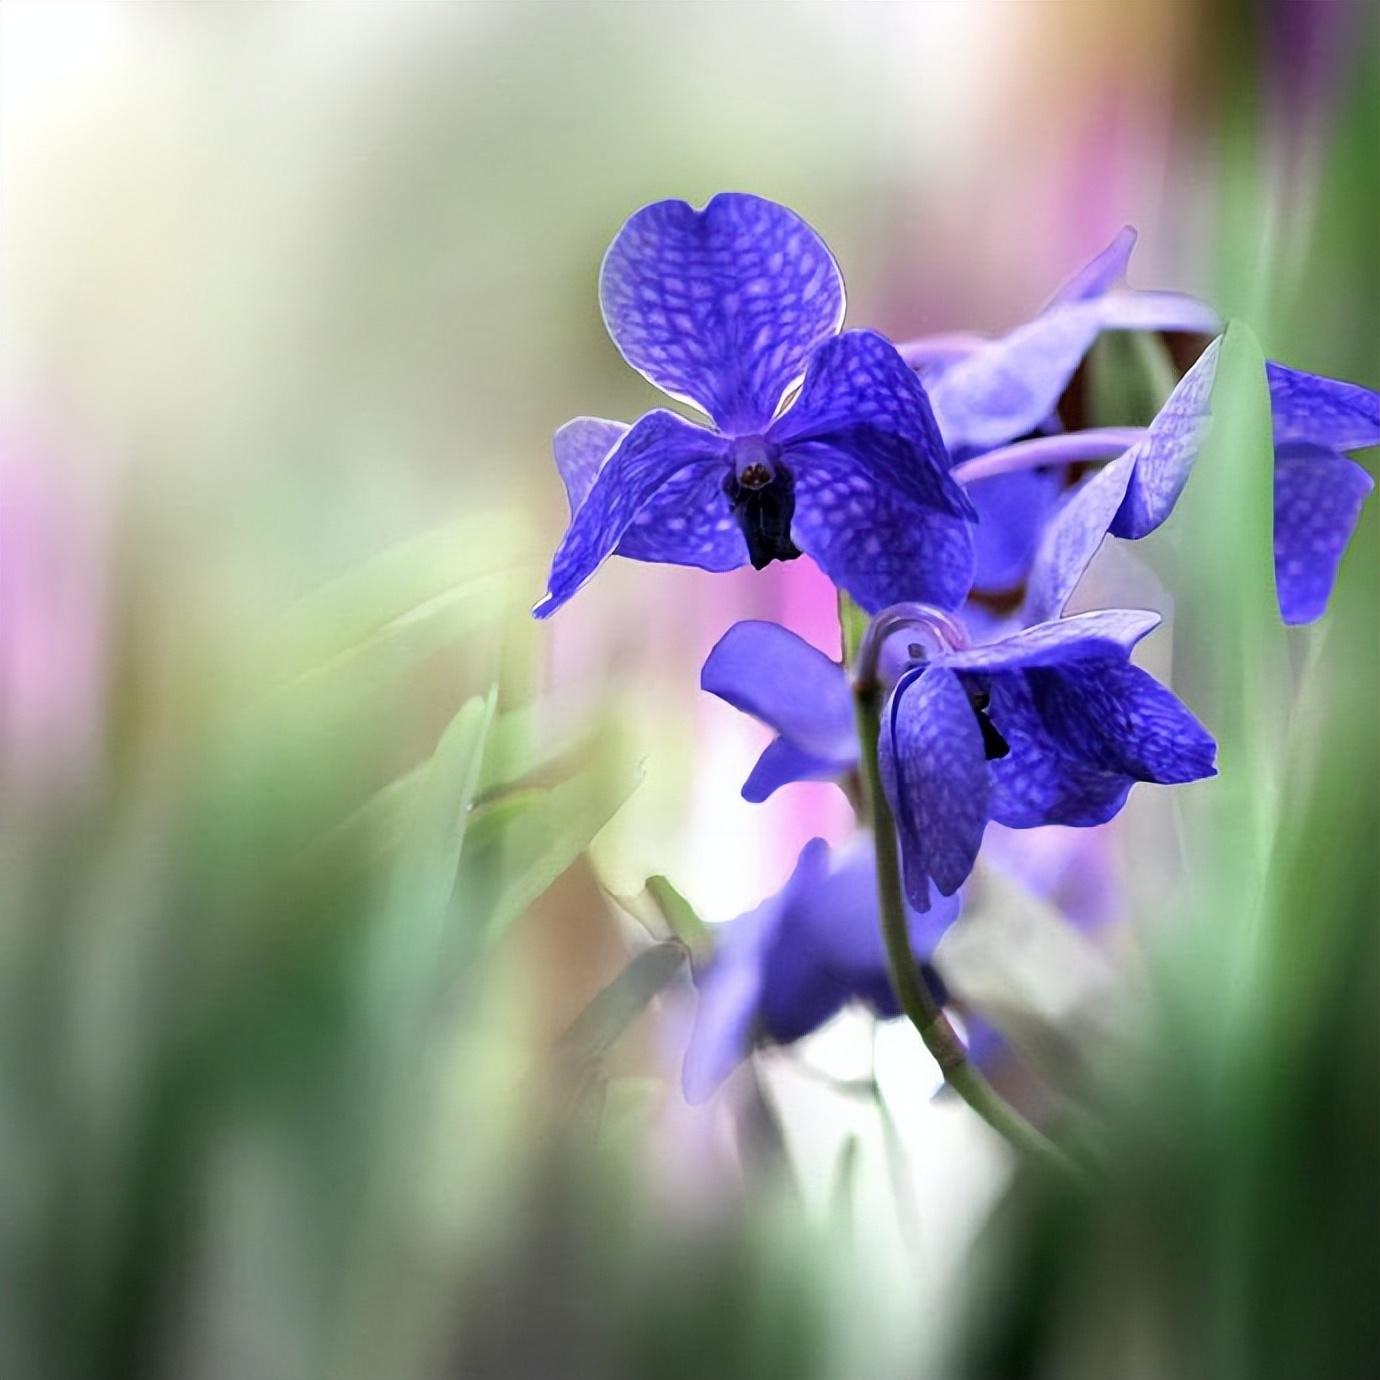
{"points": [[293, 296]]}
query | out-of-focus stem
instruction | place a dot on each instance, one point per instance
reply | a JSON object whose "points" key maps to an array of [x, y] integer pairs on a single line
{"points": [[1097, 443], [914, 997]]}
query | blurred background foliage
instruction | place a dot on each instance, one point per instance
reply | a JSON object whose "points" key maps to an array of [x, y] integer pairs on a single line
{"points": [[322, 866]]}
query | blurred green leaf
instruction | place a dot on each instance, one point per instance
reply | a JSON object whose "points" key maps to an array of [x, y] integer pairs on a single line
{"points": [[430, 579], [681, 917], [521, 845], [597, 1028], [1130, 374], [1015, 959]]}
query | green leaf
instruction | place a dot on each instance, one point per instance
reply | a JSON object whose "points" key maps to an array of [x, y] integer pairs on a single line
{"points": [[681, 917], [423, 579], [524, 843], [598, 1027], [1230, 654], [409, 941], [1130, 374], [853, 623]]}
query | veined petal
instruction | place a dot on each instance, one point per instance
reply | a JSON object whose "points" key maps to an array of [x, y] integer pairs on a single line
{"points": [[687, 521], [1105, 632], [721, 307], [580, 447], [1039, 781], [767, 671], [1318, 500], [1116, 717], [659, 447], [934, 770], [858, 516], [858, 385], [1321, 411], [1162, 461], [1072, 539]]}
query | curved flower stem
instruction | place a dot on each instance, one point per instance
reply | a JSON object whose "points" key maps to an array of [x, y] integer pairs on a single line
{"points": [[914, 997], [1097, 443]]}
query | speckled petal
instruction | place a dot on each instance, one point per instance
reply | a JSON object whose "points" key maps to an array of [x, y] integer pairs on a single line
{"points": [[580, 447], [767, 671], [1101, 633], [1163, 460], [721, 307], [1072, 539], [857, 517], [656, 450], [1318, 500], [1038, 781], [687, 522], [934, 769], [1114, 716], [1322, 411], [857, 384]]}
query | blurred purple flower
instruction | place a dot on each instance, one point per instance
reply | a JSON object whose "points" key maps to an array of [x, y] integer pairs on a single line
{"points": [[1318, 490], [782, 970], [727, 308], [988, 392]]}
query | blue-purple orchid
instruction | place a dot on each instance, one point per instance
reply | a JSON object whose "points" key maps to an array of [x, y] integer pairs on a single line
{"points": [[1051, 725], [1318, 490], [728, 308], [782, 970]]}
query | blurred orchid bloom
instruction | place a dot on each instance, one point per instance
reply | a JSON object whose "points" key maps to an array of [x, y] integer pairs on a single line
{"points": [[782, 970]]}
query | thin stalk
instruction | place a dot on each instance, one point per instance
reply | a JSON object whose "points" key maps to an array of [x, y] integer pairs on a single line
{"points": [[1074, 447], [914, 997]]}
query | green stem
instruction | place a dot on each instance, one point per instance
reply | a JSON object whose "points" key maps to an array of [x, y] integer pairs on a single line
{"points": [[914, 996]]}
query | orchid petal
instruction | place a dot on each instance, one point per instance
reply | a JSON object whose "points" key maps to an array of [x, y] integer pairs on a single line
{"points": [[660, 447], [934, 770], [767, 671], [1318, 501], [721, 307]]}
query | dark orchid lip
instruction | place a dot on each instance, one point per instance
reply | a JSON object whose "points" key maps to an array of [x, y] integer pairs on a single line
{"points": [[761, 497]]}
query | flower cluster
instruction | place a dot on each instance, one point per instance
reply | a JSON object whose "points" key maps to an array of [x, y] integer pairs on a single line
{"points": [[920, 478]]}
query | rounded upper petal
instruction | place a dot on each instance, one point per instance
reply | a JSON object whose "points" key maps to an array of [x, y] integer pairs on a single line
{"points": [[721, 307]]}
